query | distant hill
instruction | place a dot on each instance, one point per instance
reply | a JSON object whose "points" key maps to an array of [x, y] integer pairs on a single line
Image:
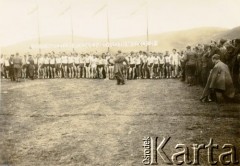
{"points": [[166, 41], [230, 34]]}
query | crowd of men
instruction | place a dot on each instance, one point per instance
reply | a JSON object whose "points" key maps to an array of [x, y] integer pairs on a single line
{"points": [[192, 64], [75, 65]]}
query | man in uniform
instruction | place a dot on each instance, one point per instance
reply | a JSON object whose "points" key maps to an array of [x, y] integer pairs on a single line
{"points": [[17, 64], [199, 53], [205, 68], [190, 66], [118, 68], [31, 67], [11, 69], [236, 65]]}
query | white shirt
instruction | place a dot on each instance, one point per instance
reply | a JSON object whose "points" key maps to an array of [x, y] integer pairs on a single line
{"points": [[6, 62], [64, 59], [82, 59], [161, 60], [138, 61], [58, 60], [144, 59], [40, 60], [1, 60], [175, 59], [94, 62], [101, 61], [52, 61], [133, 61], [155, 60], [70, 59], [88, 59], [35, 59], [105, 62], [24, 60], [46, 61], [167, 59], [76, 60], [150, 59]]}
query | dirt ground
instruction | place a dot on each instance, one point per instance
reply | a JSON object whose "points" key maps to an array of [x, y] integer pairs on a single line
{"points": [[95, 122]]}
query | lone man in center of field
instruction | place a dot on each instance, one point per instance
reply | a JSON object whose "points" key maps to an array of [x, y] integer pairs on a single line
{"points": [[118, 67], [17, 64]]}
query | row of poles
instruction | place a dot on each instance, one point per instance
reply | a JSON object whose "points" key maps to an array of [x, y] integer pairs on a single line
{"points": [[72, 30]]}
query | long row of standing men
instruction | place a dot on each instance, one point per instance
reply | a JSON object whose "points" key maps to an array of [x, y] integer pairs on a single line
{"points": [[51, 65], [193, 64]]}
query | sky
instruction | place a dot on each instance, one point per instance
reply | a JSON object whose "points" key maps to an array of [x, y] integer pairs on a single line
{"points": [[88, 18]]}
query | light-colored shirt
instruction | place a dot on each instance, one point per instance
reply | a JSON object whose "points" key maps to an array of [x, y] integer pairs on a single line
{"points": [[6, 62], [58, 60], [46, 61], [150, 59], [70, 59], [64, 59], [52, 61], [167, 59]]}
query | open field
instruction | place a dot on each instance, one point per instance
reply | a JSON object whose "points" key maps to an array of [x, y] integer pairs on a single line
{"points": [[95, 122]]}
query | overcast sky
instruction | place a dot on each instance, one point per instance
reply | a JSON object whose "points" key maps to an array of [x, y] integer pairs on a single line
{"points": [[126, 17]]}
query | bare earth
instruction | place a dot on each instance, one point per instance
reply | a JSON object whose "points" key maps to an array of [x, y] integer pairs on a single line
{"points": [[95, 122]]}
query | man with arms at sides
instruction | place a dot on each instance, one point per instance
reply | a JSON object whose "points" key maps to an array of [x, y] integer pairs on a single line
{"points": [[59, 65], [138, 65], [11, 69], [167, 65], [87, 65], [110, 61], [31, 67], [175, 62], [65, 64], [6, 66], [190, 59]]}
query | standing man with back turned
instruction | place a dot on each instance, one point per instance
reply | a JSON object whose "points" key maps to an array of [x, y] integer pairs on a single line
{"points": [[17, 64], [118, 68]]}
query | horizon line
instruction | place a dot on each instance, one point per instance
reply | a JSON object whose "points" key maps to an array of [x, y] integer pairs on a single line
{"points": [[114, 38]]}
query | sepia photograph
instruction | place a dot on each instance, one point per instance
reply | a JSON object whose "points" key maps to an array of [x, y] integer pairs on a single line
{"points": [[119, 82]]}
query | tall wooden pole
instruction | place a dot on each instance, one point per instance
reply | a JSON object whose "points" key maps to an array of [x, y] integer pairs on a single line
{"points": [[147, 27], [108, 36]]}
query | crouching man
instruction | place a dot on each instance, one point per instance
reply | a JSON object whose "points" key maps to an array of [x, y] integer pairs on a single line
{"points": [[219, 84]]}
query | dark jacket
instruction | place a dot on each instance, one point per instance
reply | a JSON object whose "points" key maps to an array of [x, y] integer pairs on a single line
{"points": [[17, 62], [118, 63], [190, 58], [220, 79]]}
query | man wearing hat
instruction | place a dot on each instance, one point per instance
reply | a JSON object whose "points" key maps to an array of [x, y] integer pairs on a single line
{"points": [[222, 50], [205, 68], [219, 82], [11, 69], [199, 52], [236, 65], [118, 67], [190, 60], [17, 64], [213, 50], [31, 67]]}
